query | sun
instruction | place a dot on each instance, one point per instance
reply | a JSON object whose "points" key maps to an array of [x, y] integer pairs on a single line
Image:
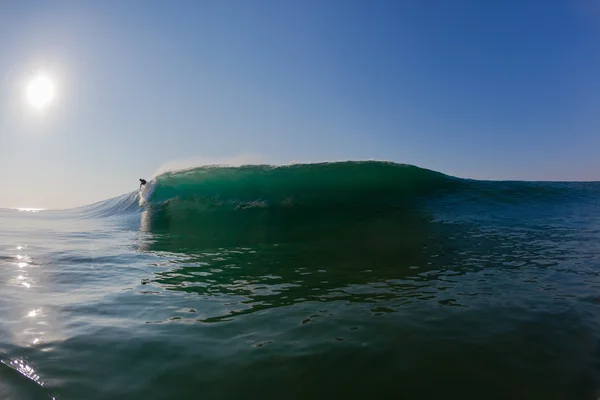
{"points": [[40, 92]]}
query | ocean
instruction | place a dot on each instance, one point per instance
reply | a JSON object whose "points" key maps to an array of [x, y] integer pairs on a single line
{"points": [[333, 280]]}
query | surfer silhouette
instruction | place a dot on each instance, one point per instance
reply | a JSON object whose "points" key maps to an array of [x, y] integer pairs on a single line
{"points": [[142, 182]]}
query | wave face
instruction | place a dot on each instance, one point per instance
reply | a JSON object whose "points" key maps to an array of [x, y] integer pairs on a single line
{"points": [[208, 188], [301, 184]]}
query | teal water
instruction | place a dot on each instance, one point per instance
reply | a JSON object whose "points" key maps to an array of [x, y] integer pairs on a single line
{"points": [[339, 280]]}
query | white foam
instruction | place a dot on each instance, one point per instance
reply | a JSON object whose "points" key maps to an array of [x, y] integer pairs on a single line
{"points": [[145, 193]]}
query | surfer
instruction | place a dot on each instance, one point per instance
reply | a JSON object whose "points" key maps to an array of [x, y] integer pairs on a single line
{"points": [[142, 182]]}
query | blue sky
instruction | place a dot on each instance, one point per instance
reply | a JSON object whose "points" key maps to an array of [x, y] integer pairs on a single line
{"points": [[480, 89]]}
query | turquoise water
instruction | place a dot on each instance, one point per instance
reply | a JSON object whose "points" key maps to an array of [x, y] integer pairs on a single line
{"points": [[339, 280]]}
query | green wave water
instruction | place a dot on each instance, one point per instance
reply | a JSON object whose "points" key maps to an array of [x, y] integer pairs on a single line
{"points": [[231, 198], [320, 183], [334, 280]]}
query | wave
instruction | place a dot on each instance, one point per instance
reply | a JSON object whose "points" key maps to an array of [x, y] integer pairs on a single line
{"points": [[267, 186], [192, 197], [121, 205], [338, 182]]}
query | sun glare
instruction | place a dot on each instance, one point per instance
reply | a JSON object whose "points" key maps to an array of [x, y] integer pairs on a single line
{"points": [[40, 92]]}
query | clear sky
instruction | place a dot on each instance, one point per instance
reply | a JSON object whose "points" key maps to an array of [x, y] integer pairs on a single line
{"points": [[481, 89]]}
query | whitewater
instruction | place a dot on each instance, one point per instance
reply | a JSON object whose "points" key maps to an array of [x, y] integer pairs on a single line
{"points": [[354, 279]]}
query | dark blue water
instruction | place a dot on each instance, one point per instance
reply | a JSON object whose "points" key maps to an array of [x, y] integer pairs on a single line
{"points": [[275, 283]]}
